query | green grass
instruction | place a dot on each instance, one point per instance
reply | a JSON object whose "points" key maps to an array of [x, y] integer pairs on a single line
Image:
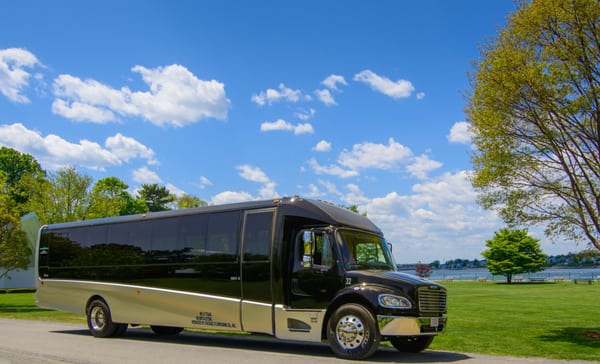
{"points": [[550, 320]]}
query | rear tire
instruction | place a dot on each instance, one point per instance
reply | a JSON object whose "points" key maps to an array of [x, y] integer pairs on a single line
{"points": [[99, 319], [352, 332], [411, 344], [166, 330]]}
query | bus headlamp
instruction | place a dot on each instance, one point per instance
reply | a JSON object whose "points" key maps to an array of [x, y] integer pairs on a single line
{"points": [[392, 301]]}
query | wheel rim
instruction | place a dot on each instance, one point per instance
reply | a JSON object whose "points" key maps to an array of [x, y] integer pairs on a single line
{"points": [[97, 318], [350, 332]]}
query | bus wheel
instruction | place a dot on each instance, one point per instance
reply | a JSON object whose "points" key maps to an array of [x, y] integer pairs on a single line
{"points": [[99, 320], [166, 330], [352, 332], [411, 344]]}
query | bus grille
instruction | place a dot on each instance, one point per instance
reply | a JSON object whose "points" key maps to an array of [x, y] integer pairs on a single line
{"points": [[432, 300]]}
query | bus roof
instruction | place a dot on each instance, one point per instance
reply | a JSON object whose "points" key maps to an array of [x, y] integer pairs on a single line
{"points": [[295, 206]]}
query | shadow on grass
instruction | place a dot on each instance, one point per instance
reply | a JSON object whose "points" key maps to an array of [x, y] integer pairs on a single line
{"points": [[584, 336], [21, 309]]}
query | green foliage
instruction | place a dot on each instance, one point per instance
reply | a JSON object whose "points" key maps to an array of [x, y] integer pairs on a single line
{"points": [[110, 198], [156, 197], [188, 201], [15, 252], [514, 252], [21, 172], [535, 116]]}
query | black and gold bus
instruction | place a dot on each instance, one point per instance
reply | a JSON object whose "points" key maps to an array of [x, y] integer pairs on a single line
{"points": [[294, 268]]}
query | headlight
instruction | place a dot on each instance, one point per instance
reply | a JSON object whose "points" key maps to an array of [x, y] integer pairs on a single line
{"points": [[391, 301]]}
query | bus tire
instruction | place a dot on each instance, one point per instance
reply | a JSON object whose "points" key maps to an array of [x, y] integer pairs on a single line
{"points": [[411, 344], [99, 319], [166, 330], [352, 332]]}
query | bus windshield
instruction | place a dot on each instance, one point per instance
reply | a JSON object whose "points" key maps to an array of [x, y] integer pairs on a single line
{"points": [[361, 250]]}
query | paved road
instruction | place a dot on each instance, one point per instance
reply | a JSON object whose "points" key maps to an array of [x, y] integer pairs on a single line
{"points": [[39, 342]]}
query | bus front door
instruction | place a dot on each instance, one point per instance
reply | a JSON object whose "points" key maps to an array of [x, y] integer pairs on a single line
{"points": [[257, 300]]}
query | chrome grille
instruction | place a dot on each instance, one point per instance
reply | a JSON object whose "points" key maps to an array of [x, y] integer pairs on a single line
{"points": [[432, 299]]}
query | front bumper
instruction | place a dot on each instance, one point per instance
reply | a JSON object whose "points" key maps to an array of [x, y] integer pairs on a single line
{"points": [[410, 326]]}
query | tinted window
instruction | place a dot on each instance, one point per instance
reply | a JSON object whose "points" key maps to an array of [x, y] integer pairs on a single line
{"points": [[257, 236], [192, 236], [221, 237]]}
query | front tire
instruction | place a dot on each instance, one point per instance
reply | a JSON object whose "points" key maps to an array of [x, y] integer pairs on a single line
{"points": [[352, 332], [411, 344], [99, 320]]}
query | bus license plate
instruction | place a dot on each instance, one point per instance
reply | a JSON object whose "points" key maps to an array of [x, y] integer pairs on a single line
{"points": [[435, 322]]}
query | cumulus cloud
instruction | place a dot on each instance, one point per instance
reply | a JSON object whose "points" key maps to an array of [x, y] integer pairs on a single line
{"points": [[422, 165], [146, 176], [230, 197], [176, 97], [282, 125], [460, 133], [54, 152], [325, 97], [332, 81], [441, 215], [332, 170], [255, 174], [284, 93], [373, 155], [13, 75], [395, 89], [322, 146]]}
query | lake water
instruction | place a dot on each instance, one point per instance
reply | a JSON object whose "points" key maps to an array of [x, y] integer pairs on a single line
{"points": [[550, 274]]}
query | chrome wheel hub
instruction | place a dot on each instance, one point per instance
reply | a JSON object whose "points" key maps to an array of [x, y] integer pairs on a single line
{"points": [[350, 332], [98, 319]]}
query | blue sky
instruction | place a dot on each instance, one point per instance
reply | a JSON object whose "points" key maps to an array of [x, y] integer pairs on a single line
{"points": [[354, 102]]}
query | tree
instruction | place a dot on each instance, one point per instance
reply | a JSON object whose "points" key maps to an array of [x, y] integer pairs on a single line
{"points": [[67, 198], [513, 252], [189, 201], [156, 197], [109, 198], [15, 252], [535, 117], [21, 171]]}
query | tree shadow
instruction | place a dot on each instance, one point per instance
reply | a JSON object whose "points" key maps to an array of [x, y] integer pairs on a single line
{"points": [[584, 336]]}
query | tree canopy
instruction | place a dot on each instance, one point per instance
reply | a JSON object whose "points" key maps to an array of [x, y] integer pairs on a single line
{"points": [[156, 197], [535, 117], [15, 252], [513, 252]]}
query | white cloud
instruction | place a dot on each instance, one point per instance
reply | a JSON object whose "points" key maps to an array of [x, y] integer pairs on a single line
{"points": [[422, 165], [230, 197], [126, 148], [253, 174], [439, 220], [305, 128], [420, 95], [322, 146], [54, 152], [13, 76], [282, 125], [325, 97], [176, 98], [379, 156], [332, 81], [395, 89], [460, 133], [204, 182], [146, 176], [305, 115], [175, 190], [283, 94], [332, 170]]}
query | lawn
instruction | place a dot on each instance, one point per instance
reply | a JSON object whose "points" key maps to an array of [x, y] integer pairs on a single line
{"points": [[550, 320]]}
